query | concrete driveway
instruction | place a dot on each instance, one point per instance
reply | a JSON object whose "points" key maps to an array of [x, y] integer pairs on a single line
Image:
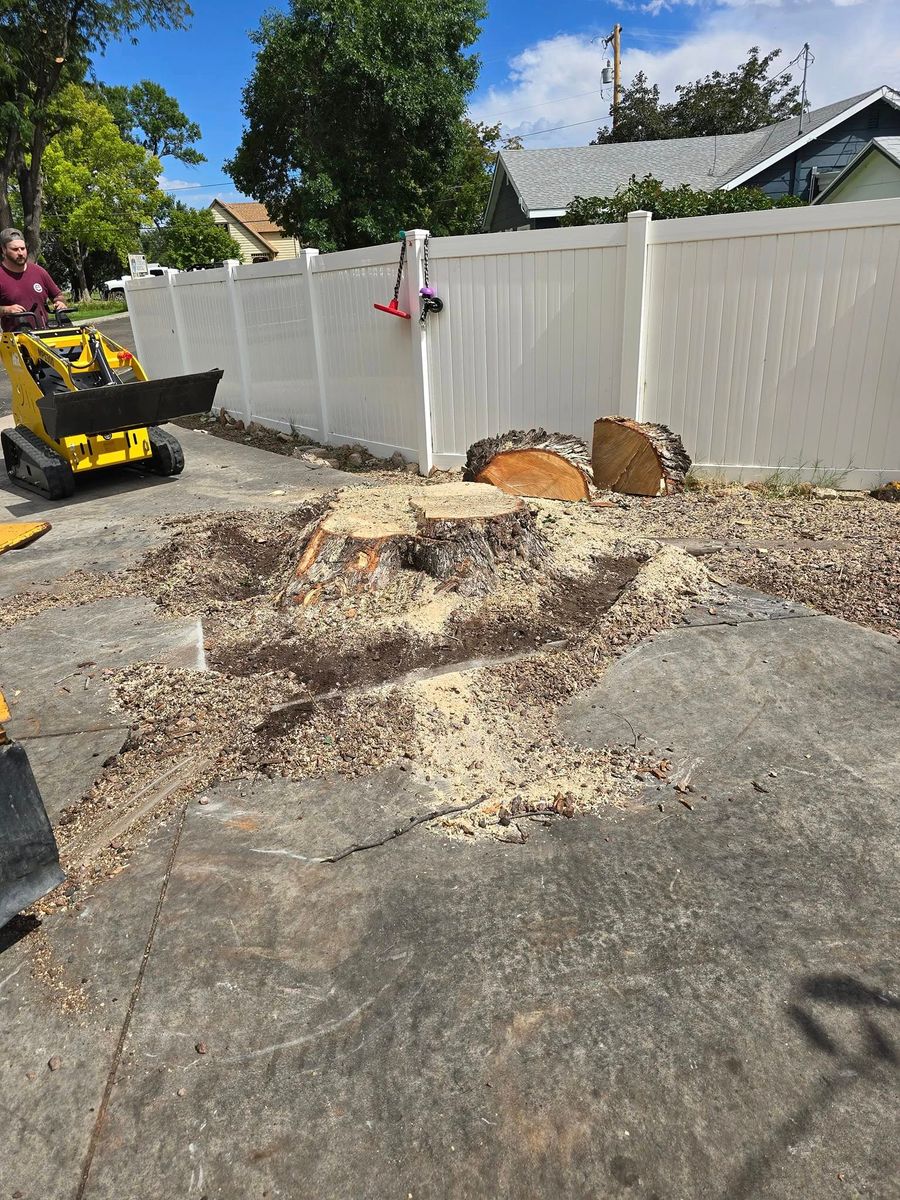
{"points": [[694, 997]]}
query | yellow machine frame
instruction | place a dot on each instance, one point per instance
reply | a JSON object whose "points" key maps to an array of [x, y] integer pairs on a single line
{"points": [[81, 452]]}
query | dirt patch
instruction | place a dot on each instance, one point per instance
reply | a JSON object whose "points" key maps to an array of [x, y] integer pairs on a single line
{"points": [[565, 606], [355, 459]]}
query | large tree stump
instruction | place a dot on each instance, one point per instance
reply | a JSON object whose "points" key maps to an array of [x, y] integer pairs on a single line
{"points": [[532, 462], [455, 532], [639, 459]]}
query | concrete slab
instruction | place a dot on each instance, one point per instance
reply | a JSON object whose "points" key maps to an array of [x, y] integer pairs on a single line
{"points": [[51, 672], [65, 767], [731, 705], [65, 992], [52, 664], [686, 1003]]}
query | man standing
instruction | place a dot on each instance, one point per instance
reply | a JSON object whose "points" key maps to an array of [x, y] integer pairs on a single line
{"points": [[24, 286]]}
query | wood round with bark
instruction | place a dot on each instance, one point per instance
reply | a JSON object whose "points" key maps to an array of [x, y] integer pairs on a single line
{"points": [[454, 532], [638, 458], [532, 462]]}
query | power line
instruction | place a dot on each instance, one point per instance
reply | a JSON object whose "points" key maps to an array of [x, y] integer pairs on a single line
{"points": [[543, 104], [539, 132], [187, 187]]}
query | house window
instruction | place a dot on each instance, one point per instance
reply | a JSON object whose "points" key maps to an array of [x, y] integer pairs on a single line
{"points": [[260, 258]]}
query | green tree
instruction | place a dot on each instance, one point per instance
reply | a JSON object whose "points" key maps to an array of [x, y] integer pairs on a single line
{"points": [[456, 205], [99, 188], [45, 44], [649, 195], [740, 101], [146, 114], [353, 113], [190, 237]]}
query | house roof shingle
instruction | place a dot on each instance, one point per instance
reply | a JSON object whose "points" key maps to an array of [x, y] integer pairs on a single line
{"points": [[547, 180], [255, 218]]}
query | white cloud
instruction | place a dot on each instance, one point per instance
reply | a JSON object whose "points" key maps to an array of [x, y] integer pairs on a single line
{"points": [[174, 185], [856, 44]]}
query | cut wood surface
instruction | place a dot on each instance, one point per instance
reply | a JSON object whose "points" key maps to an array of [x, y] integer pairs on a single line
{"points": [[454, 532], [532, 462], [639, 459]]}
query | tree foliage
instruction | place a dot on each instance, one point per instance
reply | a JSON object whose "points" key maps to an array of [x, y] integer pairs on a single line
{"points": [[45, 44], [146, 114], [738, 101], [649, 195], [354, 113], [99, 188], [457, 204], [190, 237]]}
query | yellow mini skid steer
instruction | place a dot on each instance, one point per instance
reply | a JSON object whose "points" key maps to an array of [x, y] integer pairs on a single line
{"points": [[81, 402]]}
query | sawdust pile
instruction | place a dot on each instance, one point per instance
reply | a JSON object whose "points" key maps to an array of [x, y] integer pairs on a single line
{"points": [[351, 684]]}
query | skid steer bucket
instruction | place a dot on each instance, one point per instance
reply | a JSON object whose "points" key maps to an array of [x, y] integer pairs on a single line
{"points": [[127, 405], [29, 859]]}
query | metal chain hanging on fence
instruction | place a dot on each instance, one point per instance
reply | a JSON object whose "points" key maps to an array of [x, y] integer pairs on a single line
{"points": [[430, 302], [400, 270]]}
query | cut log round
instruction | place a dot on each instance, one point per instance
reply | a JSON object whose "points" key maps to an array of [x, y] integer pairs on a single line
{"points": [[455, 532], [639, 459], [532, 462]]}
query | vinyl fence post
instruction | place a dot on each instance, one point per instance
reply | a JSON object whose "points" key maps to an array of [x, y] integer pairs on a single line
{"points": [[309, 266], [415, 279], [634, 324], [240, 337], [178, 322]]}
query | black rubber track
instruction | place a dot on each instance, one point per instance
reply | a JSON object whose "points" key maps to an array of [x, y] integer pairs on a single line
{"points": [[33, 464], [168, 456]]}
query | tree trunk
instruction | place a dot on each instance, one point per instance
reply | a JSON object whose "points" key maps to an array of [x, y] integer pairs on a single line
{"points": [[639, 459], [533, 462], [31, 189], [455, 532], [84, 292]]}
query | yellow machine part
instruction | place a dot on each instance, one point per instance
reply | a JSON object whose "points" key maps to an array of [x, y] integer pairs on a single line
{"points": [[81, 452], [4, 711], [14, 535]]}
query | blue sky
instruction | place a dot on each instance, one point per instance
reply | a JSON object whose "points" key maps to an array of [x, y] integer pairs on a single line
{"points": [[541, 64]]}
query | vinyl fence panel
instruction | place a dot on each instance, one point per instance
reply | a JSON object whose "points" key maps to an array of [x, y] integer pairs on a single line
{"points": [[770, 343], [768, 340], [530, 334], [274, 311]]}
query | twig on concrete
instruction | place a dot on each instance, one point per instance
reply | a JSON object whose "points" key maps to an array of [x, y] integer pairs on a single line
{"points": [[399, 831]]}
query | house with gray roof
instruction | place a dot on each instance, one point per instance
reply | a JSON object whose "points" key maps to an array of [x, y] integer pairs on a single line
{"points": [[874, 174], [531, 189]]}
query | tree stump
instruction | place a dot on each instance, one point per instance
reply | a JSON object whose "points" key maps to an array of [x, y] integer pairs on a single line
{"points": [[639, 459], [453, 532], [532, 462]]}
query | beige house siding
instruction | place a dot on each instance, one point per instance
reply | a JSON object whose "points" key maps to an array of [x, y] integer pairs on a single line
{"points": [[287, 247], [274, 245], [876, 178]]}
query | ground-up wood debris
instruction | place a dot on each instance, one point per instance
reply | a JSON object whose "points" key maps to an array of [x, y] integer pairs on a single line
{"points": [[461, 691]]}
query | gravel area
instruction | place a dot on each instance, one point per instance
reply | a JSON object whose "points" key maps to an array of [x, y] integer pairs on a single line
{"points": [[840, 554]]}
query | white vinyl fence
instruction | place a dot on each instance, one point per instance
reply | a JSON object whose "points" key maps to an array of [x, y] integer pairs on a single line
{"points": [[768, 340]]}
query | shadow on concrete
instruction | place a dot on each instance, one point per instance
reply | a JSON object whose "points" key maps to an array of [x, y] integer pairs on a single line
{"points": [[859, 1051]]}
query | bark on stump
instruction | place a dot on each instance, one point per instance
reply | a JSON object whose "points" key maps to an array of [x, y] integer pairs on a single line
{"points": [[639, 459], [532, 462], [453, 532]]}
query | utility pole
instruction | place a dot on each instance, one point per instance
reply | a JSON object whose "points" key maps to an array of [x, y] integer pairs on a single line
{"points": [[613, 39], [806, 55]]}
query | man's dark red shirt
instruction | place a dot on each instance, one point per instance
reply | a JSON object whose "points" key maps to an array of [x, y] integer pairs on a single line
{"points": [[32, 286]]}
